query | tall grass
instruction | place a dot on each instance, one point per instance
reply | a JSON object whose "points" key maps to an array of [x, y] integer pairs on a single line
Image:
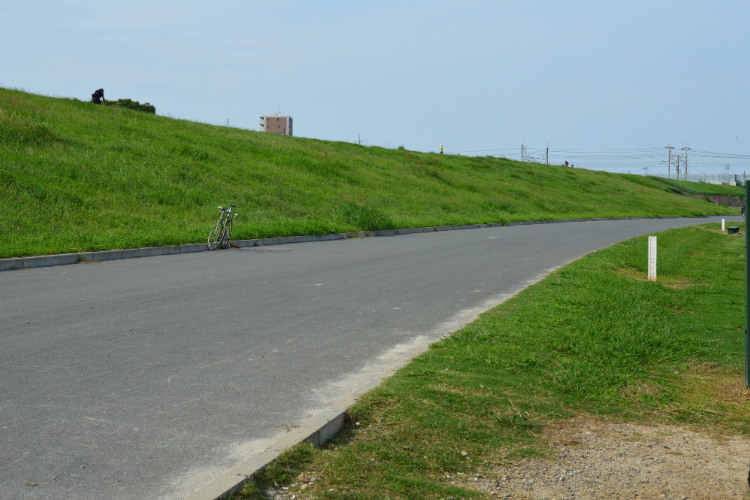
{"points": [[75, 176]]}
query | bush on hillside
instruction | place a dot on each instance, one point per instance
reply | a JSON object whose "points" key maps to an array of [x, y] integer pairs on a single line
{"points": [[134, 105]]}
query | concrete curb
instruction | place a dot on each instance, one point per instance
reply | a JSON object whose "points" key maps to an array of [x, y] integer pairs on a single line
{"points": [[317, 431], [15, 263], [75, 258]]}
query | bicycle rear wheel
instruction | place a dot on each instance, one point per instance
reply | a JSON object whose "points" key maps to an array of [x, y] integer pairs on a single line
{"points": [[227, 234], [216, 236]]}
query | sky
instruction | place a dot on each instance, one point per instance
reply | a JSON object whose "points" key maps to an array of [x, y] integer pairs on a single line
{"points": [[603, 84]]}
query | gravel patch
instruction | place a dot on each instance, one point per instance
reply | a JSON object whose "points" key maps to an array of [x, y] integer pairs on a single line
{"points": [[595, 459]]}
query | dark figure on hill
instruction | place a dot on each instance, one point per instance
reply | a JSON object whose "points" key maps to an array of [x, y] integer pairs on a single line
{"points": [[742, 209], [98, 96]]}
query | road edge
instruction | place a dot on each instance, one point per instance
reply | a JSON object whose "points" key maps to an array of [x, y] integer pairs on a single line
{"points": [[18, 263]]}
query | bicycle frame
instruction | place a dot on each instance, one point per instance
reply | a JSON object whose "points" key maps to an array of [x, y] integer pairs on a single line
{"points": [[220, 234]]}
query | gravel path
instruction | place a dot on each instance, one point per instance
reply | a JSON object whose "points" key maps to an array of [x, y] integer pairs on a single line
{"points": [[598, 459]]}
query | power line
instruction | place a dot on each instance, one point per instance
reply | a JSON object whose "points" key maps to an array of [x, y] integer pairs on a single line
{"points": [[634, 158]]}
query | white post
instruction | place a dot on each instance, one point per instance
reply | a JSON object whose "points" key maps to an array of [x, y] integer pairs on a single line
{"points": [[722, 226], [652, 258]]}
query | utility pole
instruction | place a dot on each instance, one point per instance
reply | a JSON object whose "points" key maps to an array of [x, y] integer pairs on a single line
{"points": [[547, 154], [747, 296], [678, 167], [669, 161], [686, 149], [522, 149]]}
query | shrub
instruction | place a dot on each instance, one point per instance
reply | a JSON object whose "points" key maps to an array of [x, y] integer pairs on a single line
{"points": [[134, 105]]}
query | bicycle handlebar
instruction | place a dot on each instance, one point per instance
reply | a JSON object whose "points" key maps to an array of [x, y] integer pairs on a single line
{"points": [[228, 211]]}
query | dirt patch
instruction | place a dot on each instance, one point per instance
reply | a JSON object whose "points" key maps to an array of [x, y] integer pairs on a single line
{"points": [[635, 274], [599, 459]]}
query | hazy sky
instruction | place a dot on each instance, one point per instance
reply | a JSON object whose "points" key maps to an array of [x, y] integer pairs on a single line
{"points": [[604, 83]]}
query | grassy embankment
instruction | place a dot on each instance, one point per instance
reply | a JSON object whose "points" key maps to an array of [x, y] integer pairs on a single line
{"points": [[78, 177], [594, 338], [711, 190]]}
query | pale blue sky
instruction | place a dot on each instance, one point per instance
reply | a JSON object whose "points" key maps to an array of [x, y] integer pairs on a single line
{"points": [[605, 83]]}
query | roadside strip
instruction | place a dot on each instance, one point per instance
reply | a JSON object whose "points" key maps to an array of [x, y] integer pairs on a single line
{"points": [[16, 263]]}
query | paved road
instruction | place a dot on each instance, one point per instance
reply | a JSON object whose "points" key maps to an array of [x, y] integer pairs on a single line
{"points": [[146, 378]]}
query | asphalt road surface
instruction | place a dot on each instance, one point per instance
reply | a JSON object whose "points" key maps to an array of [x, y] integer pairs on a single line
{"points": [[147, 378]]}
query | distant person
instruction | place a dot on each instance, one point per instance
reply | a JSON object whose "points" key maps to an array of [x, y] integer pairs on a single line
{"points": [[441, 149], [718, 201], [742, 209], [98, 96], [566, 163]]}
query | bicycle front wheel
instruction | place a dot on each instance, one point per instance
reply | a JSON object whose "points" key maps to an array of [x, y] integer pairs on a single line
{"points": [[227, 234], [216, 236]]}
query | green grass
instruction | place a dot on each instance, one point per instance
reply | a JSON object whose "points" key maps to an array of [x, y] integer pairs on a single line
{"points": [[711, 189], [78, 177], [594, 338]]}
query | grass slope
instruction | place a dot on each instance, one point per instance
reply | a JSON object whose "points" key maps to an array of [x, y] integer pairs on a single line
{"points": [[78, 177]]}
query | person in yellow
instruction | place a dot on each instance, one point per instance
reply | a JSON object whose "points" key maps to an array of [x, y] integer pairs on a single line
{"points": [[441, 149]]}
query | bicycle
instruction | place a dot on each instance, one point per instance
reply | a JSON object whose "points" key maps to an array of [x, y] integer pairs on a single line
{"points": [[219, 235]]}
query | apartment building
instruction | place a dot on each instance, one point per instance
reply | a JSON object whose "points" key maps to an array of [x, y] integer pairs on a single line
{"points": [[276, 124]]}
